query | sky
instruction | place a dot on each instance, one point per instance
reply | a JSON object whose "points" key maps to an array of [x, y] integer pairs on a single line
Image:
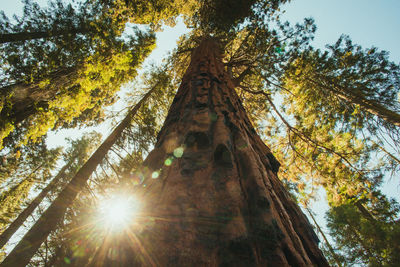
{"points": [[368, 23]]}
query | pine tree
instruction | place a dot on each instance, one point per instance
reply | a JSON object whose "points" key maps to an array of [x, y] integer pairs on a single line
{"points": [[211, 186], [16, 189], [364, 81], [74, 157], [64, 80], [39, 232], [369, 236]]}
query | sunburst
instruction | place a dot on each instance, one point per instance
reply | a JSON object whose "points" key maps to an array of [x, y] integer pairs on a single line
{"points": [[118, 211]]}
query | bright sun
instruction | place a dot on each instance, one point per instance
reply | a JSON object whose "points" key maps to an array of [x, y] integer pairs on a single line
{"points": [[116, 212]]}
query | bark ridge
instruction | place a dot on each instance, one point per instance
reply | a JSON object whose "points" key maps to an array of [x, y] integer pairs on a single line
{"points": [[217, 200]]}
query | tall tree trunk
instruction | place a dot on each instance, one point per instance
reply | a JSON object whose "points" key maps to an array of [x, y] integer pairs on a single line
{"points": [[25, 36], [356, 97], [331, 250], [25, 98], [365, 213], [19, 221], [30, 243], [220, 202]]}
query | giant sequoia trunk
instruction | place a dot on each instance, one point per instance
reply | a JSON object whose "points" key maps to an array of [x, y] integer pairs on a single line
{"points": [[220, 203]]}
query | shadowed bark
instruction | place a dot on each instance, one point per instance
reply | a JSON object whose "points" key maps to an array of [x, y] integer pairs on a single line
{"points": [[220, 202], [25, 36]]}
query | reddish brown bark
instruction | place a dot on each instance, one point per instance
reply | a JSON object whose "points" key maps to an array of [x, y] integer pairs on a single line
{"points": [[221, 202]]}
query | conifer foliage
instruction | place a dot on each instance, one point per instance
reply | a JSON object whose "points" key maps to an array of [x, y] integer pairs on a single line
{"points": [[65, 77], [252, 112]]}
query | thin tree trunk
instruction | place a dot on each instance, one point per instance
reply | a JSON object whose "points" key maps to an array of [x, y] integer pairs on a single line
{"points": [[366, 249], [325, 239], [30, 243], [25, 36], [371, 106], [26, 98], [393, 157], [18, 222], [220, 202], [365, 213]]}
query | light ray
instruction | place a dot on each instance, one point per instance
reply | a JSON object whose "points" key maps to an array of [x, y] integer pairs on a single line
{"points": [[118, 211]]}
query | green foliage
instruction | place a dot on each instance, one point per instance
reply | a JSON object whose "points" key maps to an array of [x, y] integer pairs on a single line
{"points": [[154, 13], [65, 80], [79, 150], [224, 16], [328, 139], [19, 177], [334, 105], [21, 162], [34, 60], [357, 83], [371, 241]]}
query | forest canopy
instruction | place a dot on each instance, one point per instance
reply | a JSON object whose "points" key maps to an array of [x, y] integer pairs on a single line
{"points": [[331, 118]]}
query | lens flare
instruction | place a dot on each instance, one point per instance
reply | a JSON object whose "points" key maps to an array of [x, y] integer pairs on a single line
{"points": [[117, 212]]}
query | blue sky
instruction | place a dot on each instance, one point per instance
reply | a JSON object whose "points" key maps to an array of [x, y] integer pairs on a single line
{"points": [[368, 22]]}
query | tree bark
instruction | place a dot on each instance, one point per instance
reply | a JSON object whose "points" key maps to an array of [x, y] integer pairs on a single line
{"points": [[19, 221], [220, 203], [30, 243], [369, 105], [332, 251], [27, 98], [25, 36], [364, 212]]}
